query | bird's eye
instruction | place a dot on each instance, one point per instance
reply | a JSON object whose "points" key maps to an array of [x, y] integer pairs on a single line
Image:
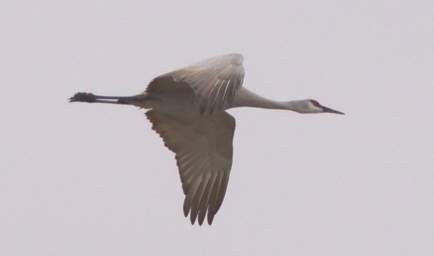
{"points": [[315, 103]]}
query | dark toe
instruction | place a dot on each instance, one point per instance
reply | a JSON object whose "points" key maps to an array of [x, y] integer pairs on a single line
{"points": [[83, 97]]}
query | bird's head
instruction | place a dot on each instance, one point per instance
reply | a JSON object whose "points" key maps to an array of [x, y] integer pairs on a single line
{"points": [[311, 106]]}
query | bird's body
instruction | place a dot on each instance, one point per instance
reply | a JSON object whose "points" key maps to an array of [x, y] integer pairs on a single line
{"points": [[187, 109]]}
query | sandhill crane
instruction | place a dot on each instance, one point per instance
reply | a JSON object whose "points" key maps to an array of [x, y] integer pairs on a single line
{"points": [[187, 109]]}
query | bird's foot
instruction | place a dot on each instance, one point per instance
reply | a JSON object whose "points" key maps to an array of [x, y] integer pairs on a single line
{"points": [[83, 97]]}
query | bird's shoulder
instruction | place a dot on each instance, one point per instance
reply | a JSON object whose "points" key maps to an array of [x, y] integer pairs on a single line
{"points": [[213, 81]]}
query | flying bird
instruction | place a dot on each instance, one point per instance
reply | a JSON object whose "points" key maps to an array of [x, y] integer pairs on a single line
{"points": [[187, 108]]}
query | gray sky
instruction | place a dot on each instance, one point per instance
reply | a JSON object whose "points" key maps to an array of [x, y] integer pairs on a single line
{"points": [[81, 179]]}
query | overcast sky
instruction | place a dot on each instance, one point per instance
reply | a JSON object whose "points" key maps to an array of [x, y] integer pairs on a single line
{"points": [[82, 179]]}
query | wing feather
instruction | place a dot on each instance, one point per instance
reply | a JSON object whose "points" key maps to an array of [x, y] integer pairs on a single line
{"points": [[207, 78], [203, 149]]}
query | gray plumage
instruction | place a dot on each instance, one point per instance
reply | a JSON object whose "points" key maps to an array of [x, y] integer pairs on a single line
{"points": [[187, 109]]}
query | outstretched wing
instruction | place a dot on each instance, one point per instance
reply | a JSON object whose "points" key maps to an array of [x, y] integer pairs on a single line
{"points": [[214, 81], [203, 148]]}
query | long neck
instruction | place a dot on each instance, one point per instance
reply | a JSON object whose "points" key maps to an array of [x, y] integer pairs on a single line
{"points": [[246, 98]]}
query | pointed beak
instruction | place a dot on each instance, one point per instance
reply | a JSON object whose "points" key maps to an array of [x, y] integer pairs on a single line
{"points": [[329, 110]]}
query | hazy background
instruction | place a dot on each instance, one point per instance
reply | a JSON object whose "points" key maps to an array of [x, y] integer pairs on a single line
{"points": [[81, 179]]}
